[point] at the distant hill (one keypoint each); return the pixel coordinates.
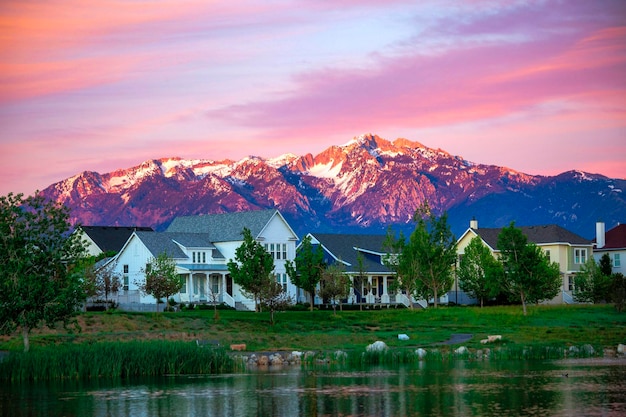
(363, 186)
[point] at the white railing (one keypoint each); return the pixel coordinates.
(567, 299)
(228, 300)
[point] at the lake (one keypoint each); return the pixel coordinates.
(584, 387)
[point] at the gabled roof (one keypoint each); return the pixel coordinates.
(227, 226)
(158, 243)
(347, 247)
(615, 238)
(111, 238)
(540, 235)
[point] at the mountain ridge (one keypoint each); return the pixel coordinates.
(365, 185)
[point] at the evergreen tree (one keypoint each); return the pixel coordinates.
(605, 265)
(40, 265)
(308, 269)
(252, 267)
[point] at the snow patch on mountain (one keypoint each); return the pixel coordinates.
(326, 170)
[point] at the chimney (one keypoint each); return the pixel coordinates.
(600, 232)
(474, 223)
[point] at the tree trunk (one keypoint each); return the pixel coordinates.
(435, 296)
(523, 303)
(25, 337)
(312, 298)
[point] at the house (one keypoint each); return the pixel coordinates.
(613, 243)
(566, 248)
(103, 239)
(362, 256)
(201, 247)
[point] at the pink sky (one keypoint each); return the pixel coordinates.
(536, 86)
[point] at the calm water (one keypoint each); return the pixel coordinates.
(461, 388)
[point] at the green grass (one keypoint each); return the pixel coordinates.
(598, 325)
(114, 360)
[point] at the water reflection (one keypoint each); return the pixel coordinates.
(427, 389)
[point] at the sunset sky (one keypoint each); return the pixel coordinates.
(536, 86)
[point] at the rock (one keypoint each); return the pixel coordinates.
(238, 347)
(493, 338)
(621, 349)
(340, 355)
(589, 350)
(484, 341)
(252, 360)
(377, 346)
(263, 360)
(462, 350)
(403, 336)
(421, 353)
(276, 359)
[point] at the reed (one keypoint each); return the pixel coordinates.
(115, 360)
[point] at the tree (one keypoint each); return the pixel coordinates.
(606, 268)
(162, 281)
(102, 281)
(618, 290)
(528, 274)
(40, 277)
(334, 285)
(308, 269)
(591, 284)
(405, 265)
(274, 298)
(252, 267)
(479, 272)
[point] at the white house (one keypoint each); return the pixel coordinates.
(613, 243)
(201, 247)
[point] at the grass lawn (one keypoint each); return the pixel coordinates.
(598, 325)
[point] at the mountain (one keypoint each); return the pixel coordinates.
(363, 186)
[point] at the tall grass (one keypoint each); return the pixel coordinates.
(115, 360)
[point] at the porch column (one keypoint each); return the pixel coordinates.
(191, 288)
(351, 295)
(384, 297)
(370, 295)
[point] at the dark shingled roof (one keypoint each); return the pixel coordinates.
(158, 243)
(111, 238)
(342, 246)
(223, 227)
(550, 233)
(615, 238)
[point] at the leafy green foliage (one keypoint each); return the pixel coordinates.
(309, 267)
(101, 282)
(605, 265)
(162, 281)
(528, 274)
(334, 285)
(591, 284)
(40, 277)
(274, 298)
(252, 267)
(479, 272)
(618, 291)
(424, 263)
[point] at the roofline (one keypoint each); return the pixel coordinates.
(277, 212)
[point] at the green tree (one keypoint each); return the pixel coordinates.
(479, 272)
(252, 267)
(308, 269)
(528, 274)
(605, 265)
(102, 281)
(618, 291)
(162, 280)
(41, 281)
(274, 298)
(591, 284)
(334, 285)
(405, 265)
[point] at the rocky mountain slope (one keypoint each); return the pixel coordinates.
(363, 186)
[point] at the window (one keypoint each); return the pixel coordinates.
(126, 269)
(183, 281)
(215, 284)
(617, 263)
(193, 257)
(203, 257)
(126, 280)
(570, 283)
(277, 250)
(548, 254)
(580, 256)
(284, 251)
(282, 280)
